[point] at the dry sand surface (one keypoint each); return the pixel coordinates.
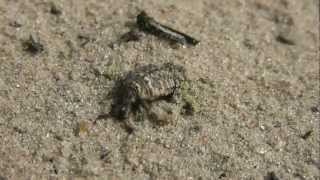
(249, 110)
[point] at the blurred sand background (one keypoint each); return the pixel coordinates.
(255, 90)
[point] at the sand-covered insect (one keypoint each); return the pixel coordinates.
(147, 84)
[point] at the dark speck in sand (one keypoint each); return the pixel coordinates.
(32, 46)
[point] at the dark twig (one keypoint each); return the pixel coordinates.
(149, 25)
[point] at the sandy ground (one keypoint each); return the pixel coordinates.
(254, 90)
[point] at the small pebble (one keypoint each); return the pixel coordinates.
(54, 9)
(32, 46)
(307, 134)
(188, 109)
(271, 176)
(285, 40)
(315, 109)
(82, 128)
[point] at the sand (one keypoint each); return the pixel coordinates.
(253, 88)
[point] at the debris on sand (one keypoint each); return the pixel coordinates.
(271, 176)
(83, 40)
(82, 128)
(55, 10)
(150, 25)
(306, 135)
(285, 40)
(133, 35)
(3, 178)
(315, 109)
(15, 24)
(147, 24)
(32, 46)
(188, 109)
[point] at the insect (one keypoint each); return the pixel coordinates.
(150, 25)
(147, 84)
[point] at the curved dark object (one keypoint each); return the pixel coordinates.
(149, 25)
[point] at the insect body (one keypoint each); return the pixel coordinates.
(146, 84)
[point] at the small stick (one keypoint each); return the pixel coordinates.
(148, 24)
